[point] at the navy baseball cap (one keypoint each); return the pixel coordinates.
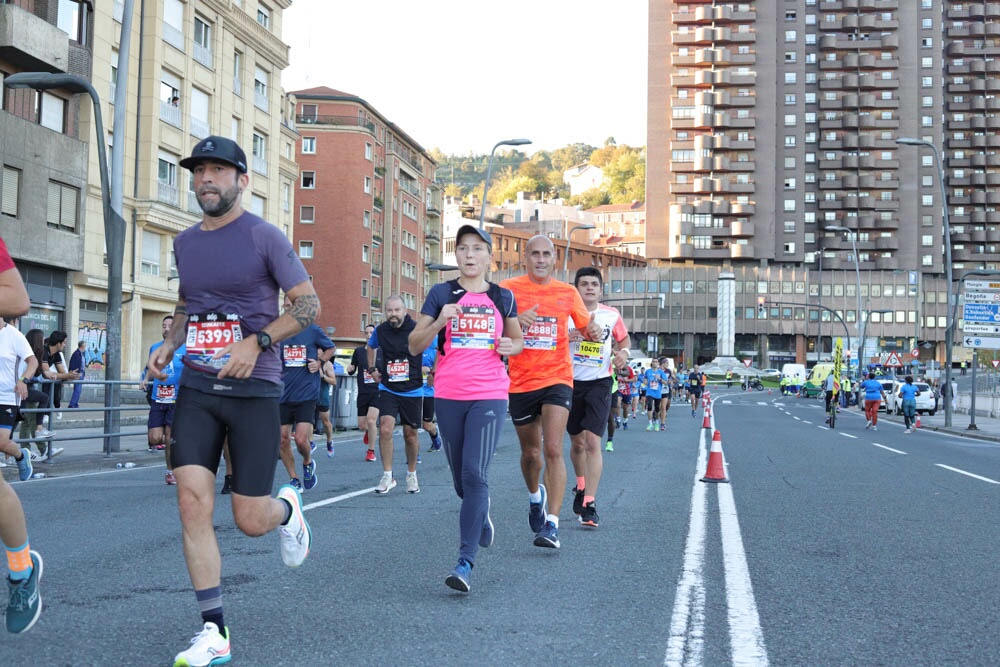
(218, 149)
(481, 233)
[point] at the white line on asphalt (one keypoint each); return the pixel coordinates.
(337, 499)
(969, 474)
(727, 402)
(848, 435)
(798, 419)
(895, 451)
(687, 622)
(825, 428)
(761, 402)
(745, 636)
(806, 421)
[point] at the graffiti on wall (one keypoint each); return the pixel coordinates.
(96, 336)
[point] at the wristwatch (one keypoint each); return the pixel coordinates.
(263, 340)
(372, 369)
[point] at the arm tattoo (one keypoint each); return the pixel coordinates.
(181, 310)
(304, 309)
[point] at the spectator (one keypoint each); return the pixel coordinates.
(33, 421)
(54, 366)
(77, 363)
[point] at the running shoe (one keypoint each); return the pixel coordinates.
(874, 428)
(227, 485)
(610, 447)
(650, 426)
(548, 536)
(295, 483)
(419, 460)
(329, 449)
(160, 447)
(907, 431)
(24, 467)
(309, 475)
(312, 446)
(588, 518)
(435, 443)
(44, 433)
(25, 602)
(36, 458)
(536, 511)
(296, 535)
(370, 455)
(625, 425)
(692, 413)
(486, 536)
(577, 501)
(459, 577)
(170, 479)
(663, 427)
(386, 484)
(208, 647)
(411, 483)
(55, 451)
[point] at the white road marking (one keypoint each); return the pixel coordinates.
(746, 638)
(848, 435)
(969, 474)
(798, 419)
(727, 402)
(685, 646)
(337, 499)
(895, 451)
(761, 402)
(806, 421)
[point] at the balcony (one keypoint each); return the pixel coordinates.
(119, 10)
(30, 43)
(170, 113)
(260, 101)
(166, 193)
(173, 36)
(339, 121)
(200, 128)
(379, 204)
(259, 164)
(407, 155)
(203, 55)
(192, 203)
(432, 235)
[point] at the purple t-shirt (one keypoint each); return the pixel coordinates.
(238, 269)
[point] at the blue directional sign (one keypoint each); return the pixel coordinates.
(982, 312)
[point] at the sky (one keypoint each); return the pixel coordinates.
(460, 75)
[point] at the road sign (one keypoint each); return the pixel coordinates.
(892, 361)
(915, 353)
(982, 342)
(982, 285)
(995, 362)
(980, 329)
(747, 362)
(981, 312)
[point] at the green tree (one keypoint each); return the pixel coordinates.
(570, 156)
(590, 199)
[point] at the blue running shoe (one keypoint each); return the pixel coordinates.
(24, 467)
(435, 443)
(536, 511)
(548, 536)
(25, 603)
(329, 449)
(312, 446)
(309, 475)
(296, 484)
(486, 537)
(459, 577)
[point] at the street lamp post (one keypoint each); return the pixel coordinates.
(859, 323)
(114, 235)
(489, 172)
(569, 235)
(819, 313)
(949, 332)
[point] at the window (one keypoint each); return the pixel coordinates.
(309, 145)
(789, 120)
(167, 170)
(61, 205)
(790, 77)
(257, 205)
(150, 253)
(927, 63)
(286, 196)
(264, 15)
(306, 249)
(368, 185)
(234, 130)
(237, 73)
(369, 151)
(308, 180)
(260, 83)
(789, 248)
(789, 205)
(52, 113)
(365, 254)
(173, 23)
(200, 104)
(114, 75)
(202, 41)
(789, 35)
(307, 215)
(259, 151)
(9, 195)
(69, 19)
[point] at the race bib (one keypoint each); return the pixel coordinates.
(542, 334)
(166, 393)
(210, 332)
(368, 378)
(654, 384)
(474, 328)
(294, 356)
(398, 371)
(588, 353)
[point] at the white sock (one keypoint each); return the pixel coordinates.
(536, 497)
(553, 518)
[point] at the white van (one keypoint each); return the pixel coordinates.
(797, 373)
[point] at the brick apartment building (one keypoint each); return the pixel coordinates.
(368, 218)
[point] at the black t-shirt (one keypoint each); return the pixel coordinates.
(359, 360)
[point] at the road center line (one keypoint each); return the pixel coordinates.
(848, 435)
(798, 419)
(969, 474)
(806, 421)
(337, 499)
(745, 636)
(685, 644)
(895, 451)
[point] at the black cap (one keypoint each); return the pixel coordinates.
(219, 149)
(481, 233)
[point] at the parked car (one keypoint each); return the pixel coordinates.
(926, 401)
(772, 373)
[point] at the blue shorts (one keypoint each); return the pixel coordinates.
(160, 415)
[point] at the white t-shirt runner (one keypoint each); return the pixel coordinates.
(14, 348)
(592, 359)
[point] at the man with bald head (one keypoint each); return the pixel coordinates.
(400, 390)
(541, 382)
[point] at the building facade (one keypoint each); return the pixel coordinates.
(621, 226)
(773, 124)
(368, 218)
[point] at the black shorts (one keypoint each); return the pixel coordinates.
(653, 404)
(8, 416)
(301, 412)
(428, 410)
(591, 406)
(160, 415)
(409, 408)
(365, 401)
(526, 407)
(694, 391)
(201, 423)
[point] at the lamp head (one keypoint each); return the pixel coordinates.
(911, 141)
(46, 81)
(514, 142)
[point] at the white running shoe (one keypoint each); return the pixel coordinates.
(44, 433)
(208, 647)
(55, 451)
(386, 483)
(296, 535)
(411, 483)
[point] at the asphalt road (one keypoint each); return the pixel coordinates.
(842, 553)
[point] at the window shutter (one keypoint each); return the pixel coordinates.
(67, 213)
(52, 208)
(11, 181)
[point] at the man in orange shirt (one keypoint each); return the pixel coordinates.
(541, 382)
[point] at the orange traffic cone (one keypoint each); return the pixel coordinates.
(716, 470)
(707, 421)
(917, 425)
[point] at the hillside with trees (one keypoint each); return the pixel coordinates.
(541, 174)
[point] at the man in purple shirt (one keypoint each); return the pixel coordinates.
(231, 266)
